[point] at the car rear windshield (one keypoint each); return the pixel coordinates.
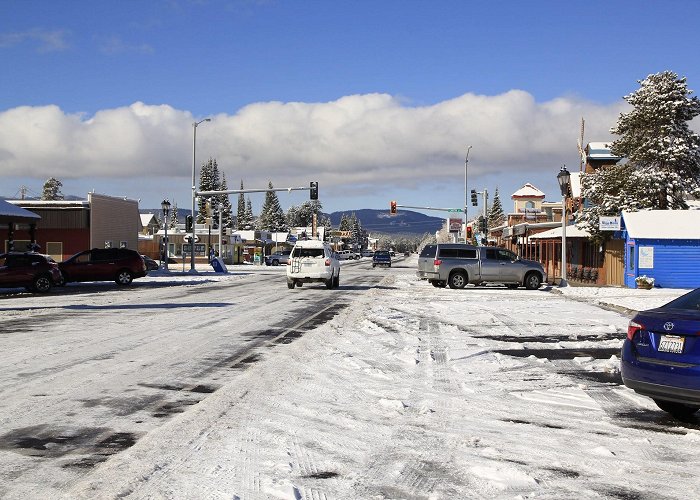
(428, 251)
(308, 252)
(690, 301)
(458, 253)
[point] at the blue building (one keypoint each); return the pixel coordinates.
(664, 245)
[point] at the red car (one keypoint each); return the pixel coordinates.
(104, 264)
(34, 271)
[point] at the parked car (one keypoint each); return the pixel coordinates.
(312, 261)
(367, 252)
(381, 258)
(457, 264)
(661, 355)
(347, 255)
(277, 258)
(151, 265)
(34, 271)
(100, 264)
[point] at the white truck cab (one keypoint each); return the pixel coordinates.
(313, 260)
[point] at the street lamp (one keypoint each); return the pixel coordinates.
(564, 178)
(165, 205)
(194, 188)
(466, 164)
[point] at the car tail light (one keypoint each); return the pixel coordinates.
(633, 328)
(289, 261)
(328, 262)
(437, 262)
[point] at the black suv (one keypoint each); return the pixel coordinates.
(104, 264)
(34, 271)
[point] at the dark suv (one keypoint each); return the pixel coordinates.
(104, 264)
(34, 271)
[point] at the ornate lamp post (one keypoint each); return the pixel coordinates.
(165, 205)
(564, 178)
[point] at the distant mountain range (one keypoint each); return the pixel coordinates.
(381, 221)
(373, 221)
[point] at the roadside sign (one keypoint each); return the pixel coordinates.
(609, 223)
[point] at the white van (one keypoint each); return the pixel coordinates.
(313, 260)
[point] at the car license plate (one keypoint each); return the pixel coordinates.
(671, 343)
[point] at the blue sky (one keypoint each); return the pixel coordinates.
(376, 100)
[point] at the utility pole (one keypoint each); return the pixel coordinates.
(466, 203)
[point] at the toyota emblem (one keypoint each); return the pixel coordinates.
(668, 326)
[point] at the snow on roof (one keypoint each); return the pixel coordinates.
(663, 224)
(528, 191)
(146, 219)
(9, 210)
(571, 232)
(599, 151)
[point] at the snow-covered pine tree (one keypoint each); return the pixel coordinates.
(293, 219)
(240, 214)
(249, 219)
(656, 138)
(663, 154)
(271, 216)
(325, 222)
(225, 204)
(173, 217)
(495, 214)
(356, 229)
(52, 190)
(208, 181)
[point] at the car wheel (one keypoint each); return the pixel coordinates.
(678, 410)
(337, 281)
(42, 283)
(374, 265)
(290, 284)
(124, 277)
(275, 262)
(532, 281)
(435, 283)
(330, 282)
(458, 279)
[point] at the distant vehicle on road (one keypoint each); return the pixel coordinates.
(277, 258)
(34, 271)
(367, 252)
(381, 258)
(104, 264)
(661, 355)
(312, 261)
(457, 264)
(347, 255)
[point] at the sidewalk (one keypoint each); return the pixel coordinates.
(624, 300)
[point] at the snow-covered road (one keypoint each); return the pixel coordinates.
(398, 390)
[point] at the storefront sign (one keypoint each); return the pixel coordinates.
(609, 223)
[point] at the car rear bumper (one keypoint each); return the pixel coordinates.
(424, 275)
(660, 379)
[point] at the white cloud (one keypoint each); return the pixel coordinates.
(48, 41)
(355, 140)
(115, 45)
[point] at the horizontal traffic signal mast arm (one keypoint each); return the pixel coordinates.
(433, 208)
(239, 191)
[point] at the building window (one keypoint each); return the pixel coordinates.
(122, 244)
(108, 244)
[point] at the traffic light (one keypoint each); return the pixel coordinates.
(482, 224)
(188, 223)
(313, 192)
(469, 232)
(474, 201)
(392, 207)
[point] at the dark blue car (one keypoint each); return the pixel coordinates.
(661, 355)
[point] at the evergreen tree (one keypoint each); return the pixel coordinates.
(663, 155)
(249, 219)
(356, 230)
(173, 217)
(271, 216)
(325, 222)
(241, 213)
(496, 217)
(52, 190)
(345, 223)
(208, 181)
(225, 204)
